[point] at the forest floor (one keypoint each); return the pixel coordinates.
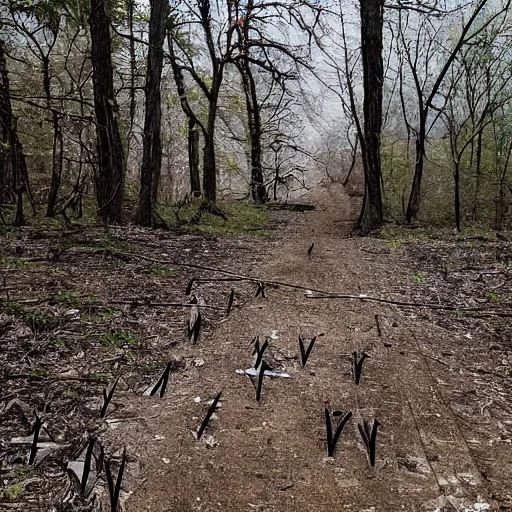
(80, 309)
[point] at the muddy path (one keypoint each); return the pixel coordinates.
(433, 381)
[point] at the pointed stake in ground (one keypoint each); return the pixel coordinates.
(230, 302)
(261, 289)
(194, 322)
(263, 366)
(189, 287)
(107, 397)
(310, 250)
(357, 366)
(209, 414)
(333, 440)
(260, 352)
(87, 466)
(304, 354)
(35, 440)
(256, 342)
(369, 438)
(115, 490)
(377, 323)
(162, 382)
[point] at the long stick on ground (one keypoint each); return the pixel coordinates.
(321, 294)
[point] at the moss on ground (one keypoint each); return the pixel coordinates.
(242, 219)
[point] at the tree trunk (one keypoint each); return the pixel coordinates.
(209, 167)
(456, 180)
(209, 163)
(258, 191)
(193, 122)
(372, 21)
(193, 158)
(152, 142)
(478, 174)
(413, 205)
(58, 143)
(13, 166)
(7, 156)
(57, 162)
(109, 177)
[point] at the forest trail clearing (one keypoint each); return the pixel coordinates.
(445, 417)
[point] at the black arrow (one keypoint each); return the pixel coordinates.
(333, 440)
(369, 438)
(304, 354)
(357, 366)
(162, 382)
(209, 414)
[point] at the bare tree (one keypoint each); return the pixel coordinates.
(426, 101)
(217, 37)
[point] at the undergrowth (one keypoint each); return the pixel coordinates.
(242, 219)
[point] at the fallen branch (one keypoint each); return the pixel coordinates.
(368, 298)
(136, 302)
(15, 376)
(321, 294)
(239, 277)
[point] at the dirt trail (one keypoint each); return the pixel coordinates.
(271, 456)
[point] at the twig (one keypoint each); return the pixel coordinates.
(368, 298)
(221, 271)
(322, 294)
(14, 376)
(136, 302)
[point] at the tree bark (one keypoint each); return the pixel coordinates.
(209, 167)
(258, 191)
(193, 158)
(58, 142)
(456, 205)
(152, 141)
(13, 166)
(110, 175)
(372, 20)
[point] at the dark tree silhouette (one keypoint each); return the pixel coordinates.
(372, 21)
(110, 173)
(152, 142)
(13, 168)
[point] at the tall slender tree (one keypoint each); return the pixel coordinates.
(152, 141)
(372, 23)
(110, 172)
(426, 103)
(13, 167)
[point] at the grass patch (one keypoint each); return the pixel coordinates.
(13, 492)
(119, 339)
(38, 372)
(67, 298)
(38, 321)
(15, 263)
(242, 219)
(109, 243)
(164, 271)
(395, 235)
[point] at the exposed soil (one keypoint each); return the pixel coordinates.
(436, 379)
